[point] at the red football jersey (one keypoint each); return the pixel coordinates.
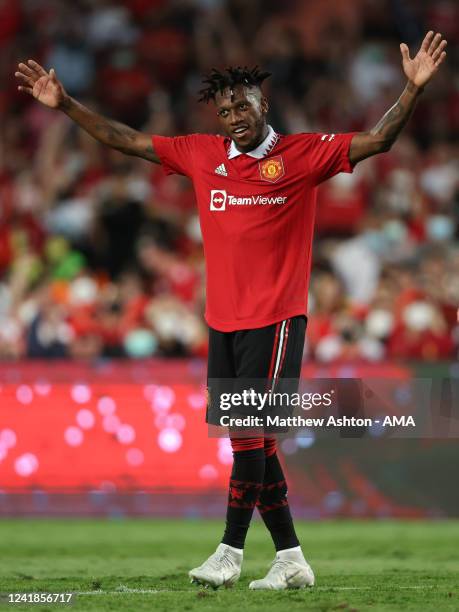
(257, 218)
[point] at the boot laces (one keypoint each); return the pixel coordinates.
(278, 566)
(221, 559)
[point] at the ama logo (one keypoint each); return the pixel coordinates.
(217, 199)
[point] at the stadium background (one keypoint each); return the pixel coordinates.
(102, 340)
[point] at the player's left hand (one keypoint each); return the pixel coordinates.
(425, 64)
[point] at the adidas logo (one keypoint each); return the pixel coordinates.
(221, 170)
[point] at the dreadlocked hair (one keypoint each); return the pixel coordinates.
(218, 81)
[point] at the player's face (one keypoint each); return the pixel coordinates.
(242, 113)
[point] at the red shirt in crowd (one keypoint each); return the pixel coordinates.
(257, 214)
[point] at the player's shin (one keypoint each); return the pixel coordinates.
(244, 489)
(273, 505)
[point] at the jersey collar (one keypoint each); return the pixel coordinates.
(263, 149)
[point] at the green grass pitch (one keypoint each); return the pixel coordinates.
(142, 565)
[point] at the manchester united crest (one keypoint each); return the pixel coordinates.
(272, 169)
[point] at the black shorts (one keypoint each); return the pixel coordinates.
(265, 355)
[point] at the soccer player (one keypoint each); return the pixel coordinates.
(255, 192)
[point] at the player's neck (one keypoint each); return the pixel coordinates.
(256, 143)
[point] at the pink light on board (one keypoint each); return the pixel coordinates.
(125, 434)
(176, 421)
(149, 392)
(225, 452)
(26, 464)
(160, 410)
(106, 405)
(3, 452)
(81, 394)
(169, 440)
(8, 438)
(208, 472)
(85, 418)
(134, 456)
(42, 388)
(24, 394)
(163, 399)
(197, 401)
(73, 436)
(161, 421)
(111, 423)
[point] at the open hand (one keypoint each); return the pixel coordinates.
(43, 86)
(425, 64)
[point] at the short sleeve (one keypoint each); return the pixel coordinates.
(328, 154)
(176, 154)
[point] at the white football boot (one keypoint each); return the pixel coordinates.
(289, 570)
(221, 568)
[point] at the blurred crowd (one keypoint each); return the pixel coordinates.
(101, 254)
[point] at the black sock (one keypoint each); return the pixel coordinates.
(245, 486)
(273, 506)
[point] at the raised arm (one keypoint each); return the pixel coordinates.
(418, 71)
(47, 89)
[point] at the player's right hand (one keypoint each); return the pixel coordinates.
(43, 86)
